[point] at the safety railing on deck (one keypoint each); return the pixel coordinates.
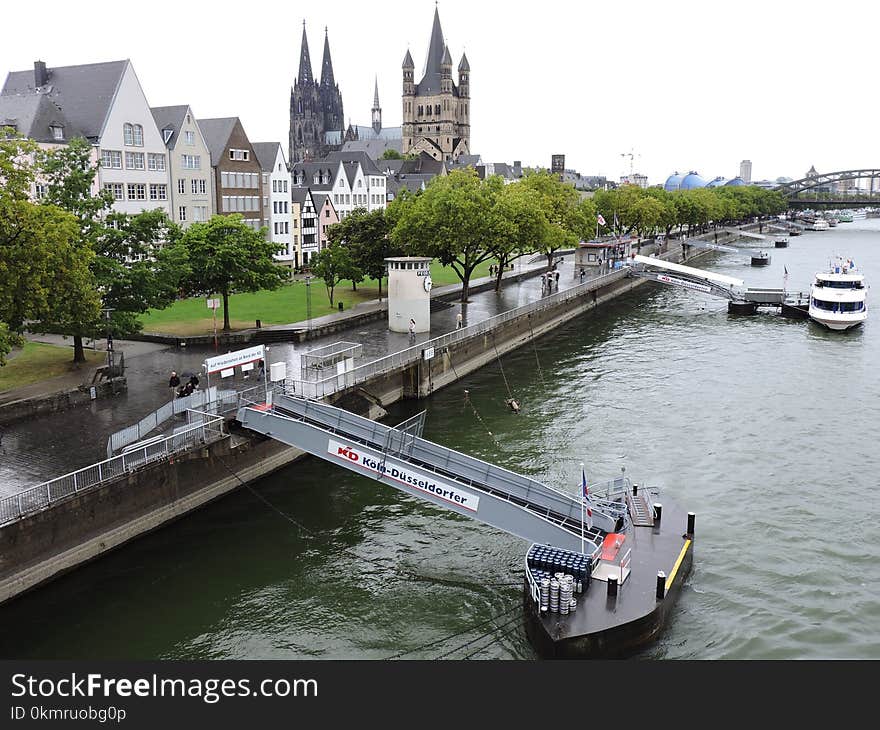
(203, 428)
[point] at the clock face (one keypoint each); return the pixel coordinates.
(428, 283)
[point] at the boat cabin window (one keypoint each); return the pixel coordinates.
(838, 306)
(840, 284)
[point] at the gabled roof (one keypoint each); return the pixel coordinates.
(367, 164)
(351, 169)
(390, 167)
(310, 168)
(299, 193)
(169, 117)
(373, 148)
(391, 134)
(319, 199)
(33, 115)
(216, 133)
(266, 153)
(83, 93)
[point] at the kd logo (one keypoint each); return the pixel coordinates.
(347, 453)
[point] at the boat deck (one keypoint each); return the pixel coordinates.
(619, 624)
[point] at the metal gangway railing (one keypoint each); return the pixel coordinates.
(202, 428)
(687, 277)
(400, 458)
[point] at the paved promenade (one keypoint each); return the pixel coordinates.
(38, 449)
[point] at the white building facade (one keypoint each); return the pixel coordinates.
(276, 199)
(189, 165)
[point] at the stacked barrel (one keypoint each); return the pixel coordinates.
(560, 574)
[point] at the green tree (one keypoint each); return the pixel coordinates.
(70, 173)
(366, 236)
(391, 154)
(136, 271)
(44, 269)
(451, 221)
(571, 219)
(225, 256)
(334, 264)
(520, 222)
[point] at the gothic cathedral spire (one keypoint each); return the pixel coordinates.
(377, 110)
(327, 64)
(305, 63)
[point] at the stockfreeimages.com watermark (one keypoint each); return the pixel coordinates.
(208, 690)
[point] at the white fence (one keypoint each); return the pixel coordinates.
(133, 434)
(204, 428)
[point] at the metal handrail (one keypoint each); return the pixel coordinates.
(533, 585)
(41, 496)
(317, 389)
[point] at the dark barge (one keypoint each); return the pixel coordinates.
(627, 591)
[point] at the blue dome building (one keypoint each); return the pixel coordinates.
(736, 181)
(717, 182)
(673, 182)
(692, 181)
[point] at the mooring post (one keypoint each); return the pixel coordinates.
(691, 519)
(658, 511)
(612, 586)
(661, 585)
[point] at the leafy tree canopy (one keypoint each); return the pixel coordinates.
(226, 256)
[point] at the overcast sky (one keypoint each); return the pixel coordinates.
(680, 84)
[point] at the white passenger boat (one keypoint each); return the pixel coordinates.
(820, 224)
(838, 296)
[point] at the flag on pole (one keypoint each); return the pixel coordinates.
(586, 498)
(601, 220)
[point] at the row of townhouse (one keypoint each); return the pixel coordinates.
(152, 157)
(164, 157)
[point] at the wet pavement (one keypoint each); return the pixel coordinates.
(42, 448)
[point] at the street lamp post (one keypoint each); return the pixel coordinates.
(308, 303)
(107, 311)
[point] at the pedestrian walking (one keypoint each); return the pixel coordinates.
(173, 383)
(412, 331)
(262, 370)
(459, 320)
(557, 279)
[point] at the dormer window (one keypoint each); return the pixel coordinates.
(57, 131)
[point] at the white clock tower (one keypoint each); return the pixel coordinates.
(409, 293)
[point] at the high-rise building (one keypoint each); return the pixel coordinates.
(745, 171)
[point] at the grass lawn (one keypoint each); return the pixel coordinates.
(37, 361)
(286, 305)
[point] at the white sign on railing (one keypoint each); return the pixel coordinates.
(231, 359)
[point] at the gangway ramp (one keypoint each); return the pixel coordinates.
(402, 459)
(745, 234)
(712, 283)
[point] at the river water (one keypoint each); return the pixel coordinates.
(765, 427)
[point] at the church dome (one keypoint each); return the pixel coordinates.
(692, 181)
(673, 182)
(736, 181)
